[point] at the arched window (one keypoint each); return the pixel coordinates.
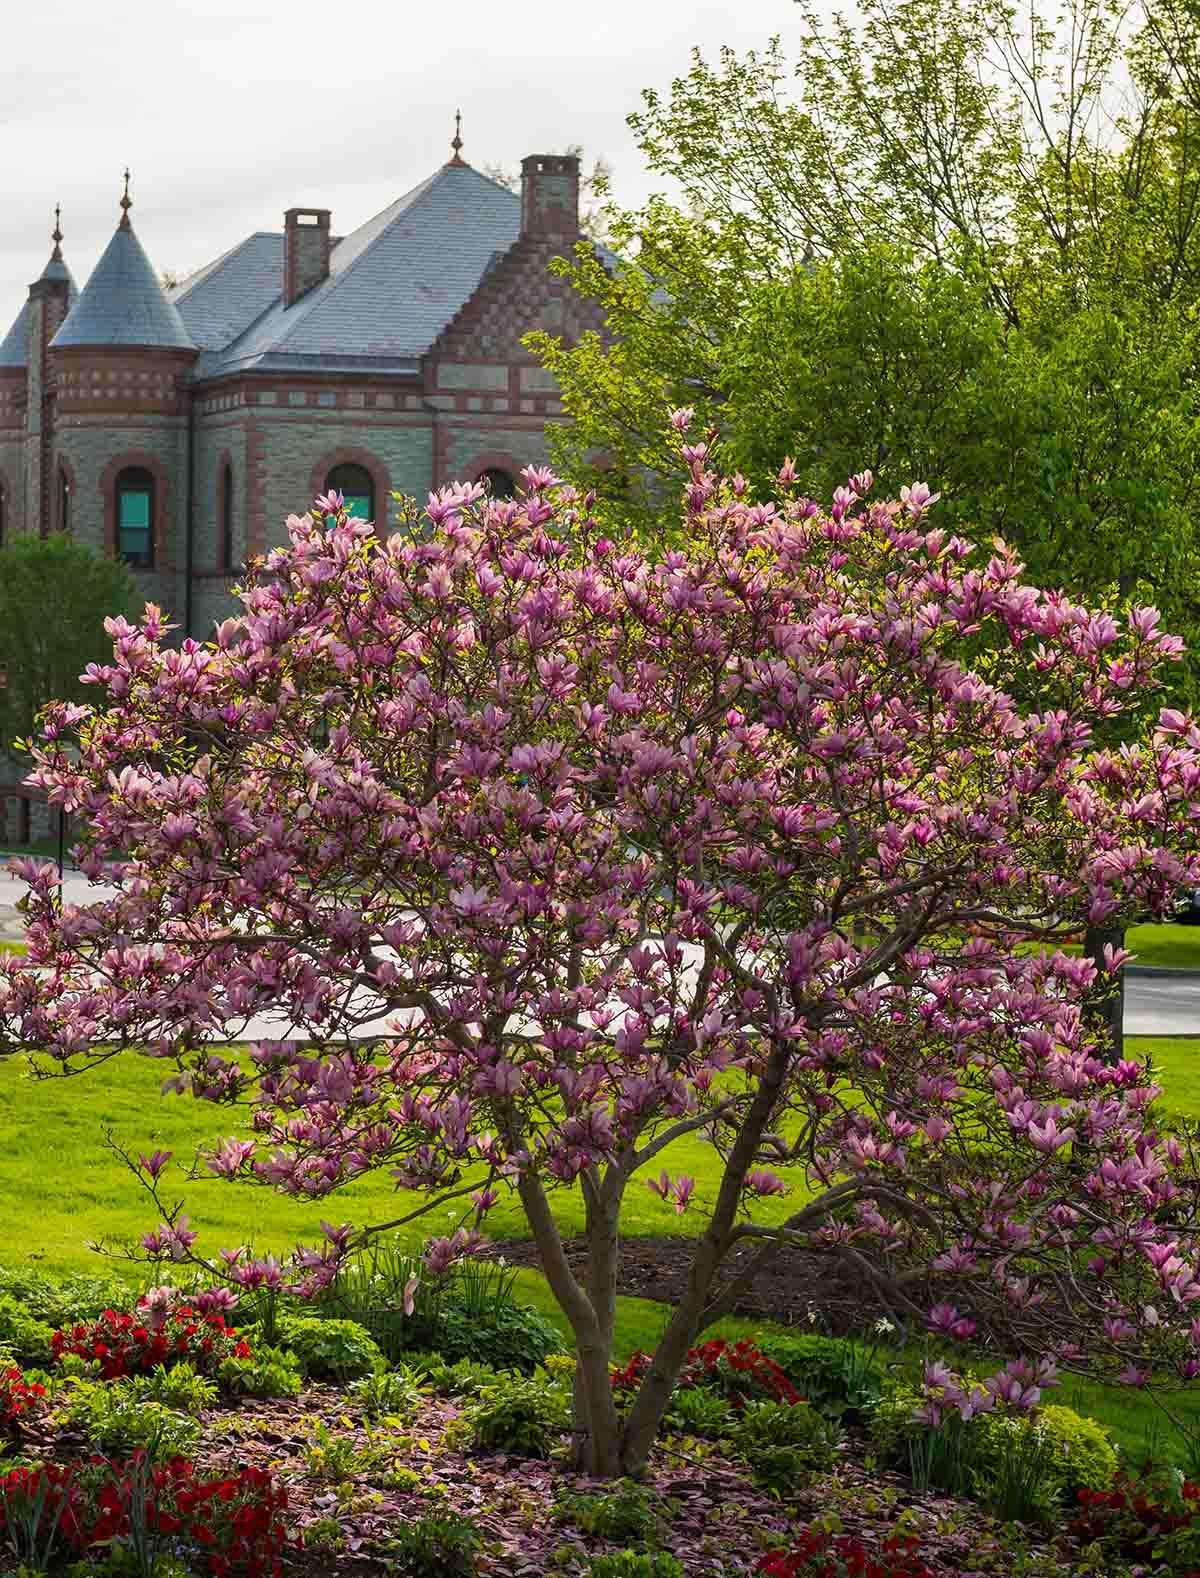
(64, 500)
(135, 518)
(500, 484)
(356, 486)
(227, 560)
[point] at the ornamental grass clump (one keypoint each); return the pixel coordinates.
(768, 842)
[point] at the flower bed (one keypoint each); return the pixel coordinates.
(233, 1522)
(121, 1344)
(739, 1370)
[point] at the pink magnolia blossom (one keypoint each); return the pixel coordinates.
(739, 843)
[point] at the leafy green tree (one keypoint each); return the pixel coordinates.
(946, 241)
(55, 595)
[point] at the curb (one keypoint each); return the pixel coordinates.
(1162, 971)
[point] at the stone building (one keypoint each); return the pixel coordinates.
(179, 428)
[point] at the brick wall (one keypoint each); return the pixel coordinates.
(12, 477)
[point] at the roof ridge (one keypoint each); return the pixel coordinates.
(184, 287)
(318, 296)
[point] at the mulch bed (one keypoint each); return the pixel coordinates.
(719, 1526)
(801, 1288)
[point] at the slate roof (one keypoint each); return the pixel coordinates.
(14, 347)
(394, 283)
(123, 303)
(221, 301)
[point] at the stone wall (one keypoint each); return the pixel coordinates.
(94, 453)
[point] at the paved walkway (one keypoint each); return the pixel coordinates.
(1162, 1003)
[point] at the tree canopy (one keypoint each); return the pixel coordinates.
(947, 239)
(55, 596)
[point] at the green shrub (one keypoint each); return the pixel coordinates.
(336, 1350)
(389, 1392)
(463, 1378)
(269, 1372)
(1081, 1450)
(893, 1426)
(1022, 1465)
(841, 1379)
(780, 1470)
(470, 1313)
(510, 1337)
(628, 1513)
(765, 1424)
(180, 1388)
(636, 1564)
(117, 1420)
(60, 1301)
(697, 1412)
(22, 1334)
(518, 1414)
(439, 1545)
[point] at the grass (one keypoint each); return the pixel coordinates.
(1166, 947)
(55, 1153)
(61, 1187)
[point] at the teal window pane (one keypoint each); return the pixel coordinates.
(135, 544)
(135, 511)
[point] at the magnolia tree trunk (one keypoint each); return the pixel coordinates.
(1108, 1009)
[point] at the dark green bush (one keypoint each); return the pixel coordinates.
(841, 1379)
(780, 1470)
(268, 1372)
(628, 1513)
(336, 1350)
(510, 1337)
(25, 1336)
(636, 1564)
(797, 1425)
(439, 1545)
(697, 1412)
(470, 1313)
(519, 1414)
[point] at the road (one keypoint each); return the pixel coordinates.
(1157, 1003)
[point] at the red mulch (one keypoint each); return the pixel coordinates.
(720, 1524)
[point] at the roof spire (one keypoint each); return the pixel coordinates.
(126, 203)
(56, 235)
(456, 141)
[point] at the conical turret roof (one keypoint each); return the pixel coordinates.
(123, 303)
(14, 347)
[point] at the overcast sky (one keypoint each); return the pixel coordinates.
(230, 111)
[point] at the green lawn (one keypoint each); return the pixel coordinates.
(1168, 947)
(55, 1154)
(60, 1187)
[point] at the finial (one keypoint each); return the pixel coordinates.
(126, 203)
(56, 235)
(456, 141)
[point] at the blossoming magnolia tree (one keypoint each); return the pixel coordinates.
(737, 843)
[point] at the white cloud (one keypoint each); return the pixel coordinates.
(230, 111)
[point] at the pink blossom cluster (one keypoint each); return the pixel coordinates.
(738, 842)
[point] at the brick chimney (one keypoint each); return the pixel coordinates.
(305, 251)
(550, 194)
